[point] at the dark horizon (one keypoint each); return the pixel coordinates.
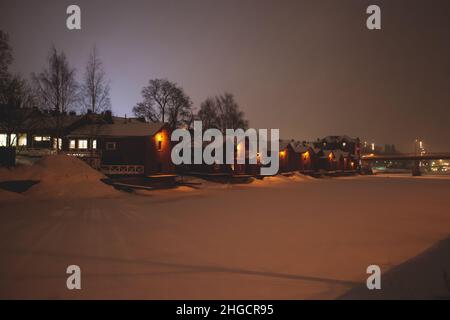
(310, 68)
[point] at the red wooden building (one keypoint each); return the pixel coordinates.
(123, 146)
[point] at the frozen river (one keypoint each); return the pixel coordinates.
(289, 238)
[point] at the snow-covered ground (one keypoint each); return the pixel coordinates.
(283, 237)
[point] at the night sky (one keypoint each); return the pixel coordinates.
(310, 68)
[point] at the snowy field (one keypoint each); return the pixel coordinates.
(280, 238)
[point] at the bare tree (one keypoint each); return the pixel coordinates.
(208, 113)
(180, 109)
(56, 89)
(56, 86)
(222, 112)
(164, 101)
(95, 88)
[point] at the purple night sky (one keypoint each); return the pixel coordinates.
(310, 68)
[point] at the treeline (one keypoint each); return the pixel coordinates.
(55, 87)
(56, 90)
(165, 101)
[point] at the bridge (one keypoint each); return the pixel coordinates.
(368, 159)
(406, 156)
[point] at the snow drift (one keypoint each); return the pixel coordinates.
(60, 176)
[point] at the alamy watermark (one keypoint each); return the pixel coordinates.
(73, 21)
(374, 280)
(73, 281)
(241, 147)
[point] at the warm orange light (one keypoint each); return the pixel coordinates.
(159, 137)
(330, 156)
(306, 155)
(282, 153)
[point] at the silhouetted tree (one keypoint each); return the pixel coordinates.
(56, 89)
(164, 101)
(94, 91)
(208, 114)
(222, 112)
(56, 86)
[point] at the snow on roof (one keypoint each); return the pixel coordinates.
(337, 139)
(284, 144)
(119, 129)
(50, 122)
(301, 147)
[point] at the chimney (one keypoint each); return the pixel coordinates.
(108, 116)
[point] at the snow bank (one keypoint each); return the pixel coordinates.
(60, 176)
(281, 179)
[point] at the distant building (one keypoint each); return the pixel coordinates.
(289, 159)
(307, 156)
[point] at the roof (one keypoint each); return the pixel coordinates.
(283, 144)
(119, 129)
(47, 122)
(301, 147)
(338, 139)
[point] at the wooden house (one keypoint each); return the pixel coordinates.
(123, 147)
(306, 156)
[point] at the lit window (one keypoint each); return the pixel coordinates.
(22, 139)
(72, 144)
(57, 143)
(2, 140)
(159, 140)
(41, 138)
(111, 146)
(94, 144)
(13, 140)
(82, 144)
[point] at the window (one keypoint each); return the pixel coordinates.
(111, 146)
(2, 140)
(94, 144)
(41, 138)
(57, 143)
(13, 140)
(22, 139)
(82, 144)
(72, 144)
(159, 145)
